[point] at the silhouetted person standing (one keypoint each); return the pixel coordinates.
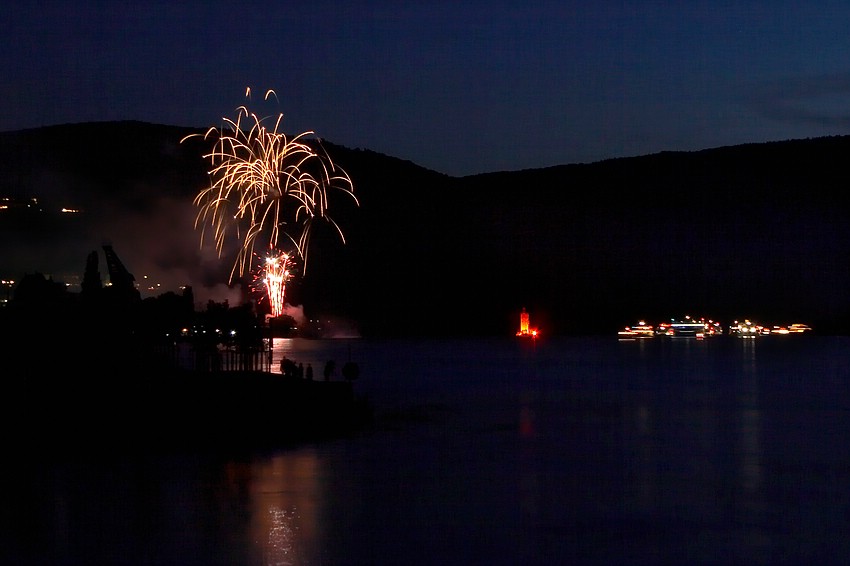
(350, 371)
(330, 366)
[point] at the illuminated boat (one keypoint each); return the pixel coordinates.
(713, 328)
(639, 330)
(685, 328)
(747, 329)
(795, 328)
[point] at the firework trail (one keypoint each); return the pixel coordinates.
(265, 188)
(276, 273)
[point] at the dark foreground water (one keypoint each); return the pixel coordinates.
(564, 451)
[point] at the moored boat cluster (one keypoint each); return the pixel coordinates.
(689, 327)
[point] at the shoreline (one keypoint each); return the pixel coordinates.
(179, 410)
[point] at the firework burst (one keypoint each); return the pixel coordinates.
(271, 280)
(265, 187)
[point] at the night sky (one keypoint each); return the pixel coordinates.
(457, 87)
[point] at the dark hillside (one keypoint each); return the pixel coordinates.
(90, 162)
(756, 231)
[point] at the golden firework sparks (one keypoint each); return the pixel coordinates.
(265, 187)
(271, 280)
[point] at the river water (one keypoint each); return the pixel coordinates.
(490, 451)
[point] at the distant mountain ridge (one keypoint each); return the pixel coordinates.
(754, 230)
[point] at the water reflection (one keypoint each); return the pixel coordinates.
(643, 458)
(750, 511)
(727, 451)
(315, 353)
(748, 401)
(690, 425)
(283, 496)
